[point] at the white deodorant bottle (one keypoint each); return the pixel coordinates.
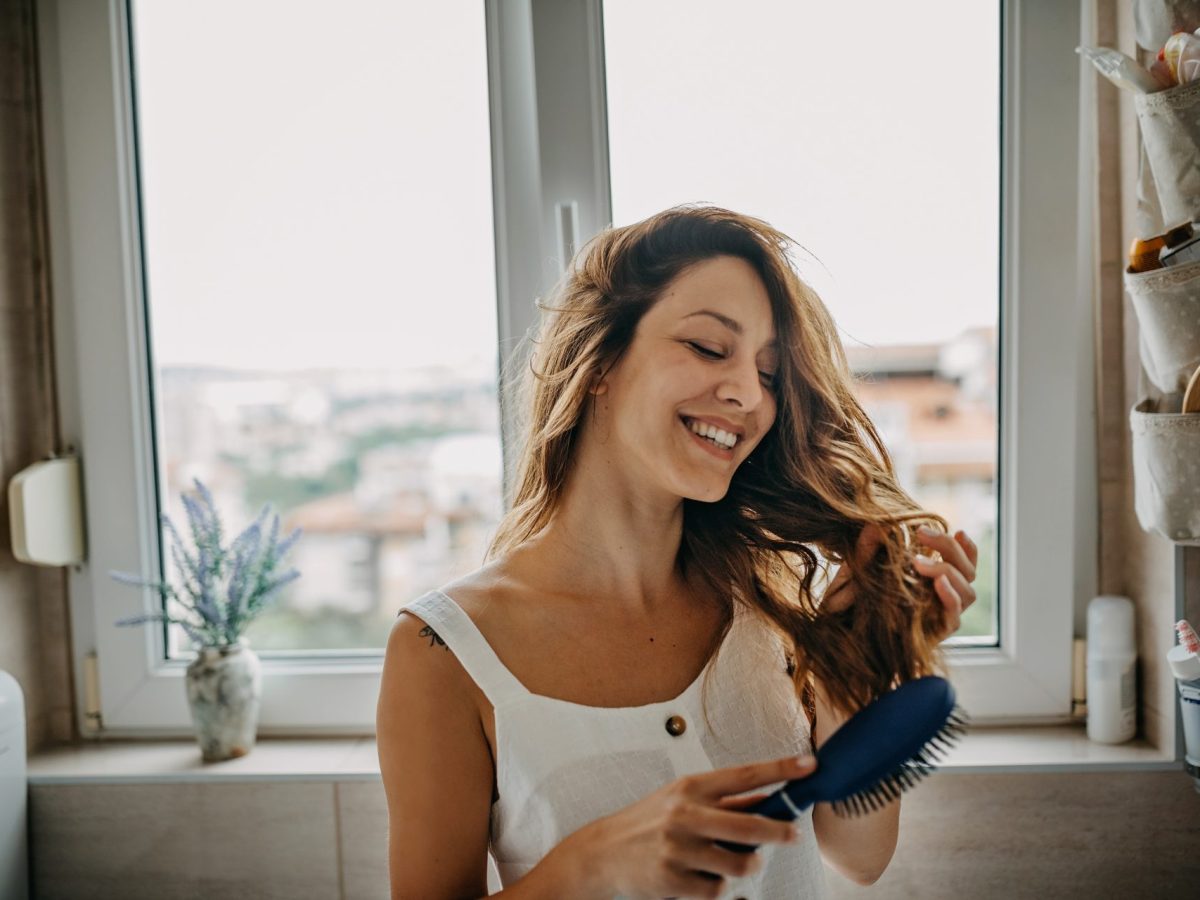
(1111, 657)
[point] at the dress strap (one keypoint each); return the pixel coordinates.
(467, 643)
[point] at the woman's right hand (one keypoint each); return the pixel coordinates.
(662, 845)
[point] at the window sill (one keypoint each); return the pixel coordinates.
(1050, 748)
(178, 761)
(1030, 750)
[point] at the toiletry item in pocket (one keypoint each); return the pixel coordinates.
(1121, 70)
(1146, 254)
(1162, 73)
(1181, 254)
(1191, 401)
(1143, 254)
(1181, 53)
(1184, 660)
(1184, 657)
(1111, 657)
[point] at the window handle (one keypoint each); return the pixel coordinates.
(566, 217)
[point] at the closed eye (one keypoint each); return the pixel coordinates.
(768, 378)
(705, 351)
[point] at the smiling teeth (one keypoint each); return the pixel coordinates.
(714, 434)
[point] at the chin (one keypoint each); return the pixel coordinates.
(710, 495)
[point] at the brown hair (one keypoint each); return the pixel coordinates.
(818, 477)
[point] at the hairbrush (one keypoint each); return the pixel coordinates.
(883, 749)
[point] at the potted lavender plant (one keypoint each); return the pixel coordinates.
(220, 591)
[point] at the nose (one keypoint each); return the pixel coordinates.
(741, 386)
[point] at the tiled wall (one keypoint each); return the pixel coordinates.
(162, 841)
(966, 837)
(34, 639)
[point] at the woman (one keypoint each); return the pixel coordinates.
(650, 638)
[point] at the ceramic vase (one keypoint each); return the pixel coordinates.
(224, 688)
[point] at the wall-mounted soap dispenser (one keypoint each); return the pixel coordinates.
(45, 503)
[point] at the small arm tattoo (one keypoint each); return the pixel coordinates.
(433, 636)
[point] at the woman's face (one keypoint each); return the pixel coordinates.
(692, 396)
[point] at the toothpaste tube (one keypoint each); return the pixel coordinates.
(1121, 70)
(1184, 659)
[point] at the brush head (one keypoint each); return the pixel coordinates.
(885, 748)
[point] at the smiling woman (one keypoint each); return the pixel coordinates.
(692, 354)
(693, 456)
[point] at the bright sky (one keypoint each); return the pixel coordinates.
(317, 187)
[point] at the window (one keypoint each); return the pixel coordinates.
(866, 180)
(298, 205)
(293, 279)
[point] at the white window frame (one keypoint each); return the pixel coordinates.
(550, 176)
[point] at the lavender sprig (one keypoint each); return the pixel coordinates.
(221, 589)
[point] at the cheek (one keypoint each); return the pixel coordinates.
(770, 412)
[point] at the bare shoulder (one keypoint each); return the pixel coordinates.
(436, 766)
(475, 593)
(480, 592)
(498, 599)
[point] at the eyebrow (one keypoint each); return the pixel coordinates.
(733, 325)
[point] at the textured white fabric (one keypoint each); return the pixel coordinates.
(1167, 303)
(561, 765)
(1166, 471)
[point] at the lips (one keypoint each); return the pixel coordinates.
(708, 444)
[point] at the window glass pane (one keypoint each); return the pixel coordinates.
(873, 141)
(317, 228)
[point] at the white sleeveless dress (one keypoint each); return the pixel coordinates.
(561, 765)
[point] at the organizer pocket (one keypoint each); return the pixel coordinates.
(1170, 123)
(1166, 472)
(1167, 303)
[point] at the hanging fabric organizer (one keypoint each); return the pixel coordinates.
(1166, 300)
(1166, 469)
(1167, 304)
(1170, 126)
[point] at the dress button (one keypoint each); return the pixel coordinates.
(676, 725)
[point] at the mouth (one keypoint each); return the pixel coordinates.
(716, 441)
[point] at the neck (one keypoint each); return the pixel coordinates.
(612, 542)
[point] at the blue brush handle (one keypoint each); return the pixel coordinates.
(786, 805)
(880, 740)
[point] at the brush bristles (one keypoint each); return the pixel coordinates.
(911, 772)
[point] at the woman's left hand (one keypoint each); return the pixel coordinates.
(951, 572)
(952, 575)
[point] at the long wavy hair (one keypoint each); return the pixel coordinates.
(796, 505)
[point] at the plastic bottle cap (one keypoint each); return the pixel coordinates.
(1184, 665)
(1110, 626)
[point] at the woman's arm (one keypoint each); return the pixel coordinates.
(438, 777)
(436, 768)
(860, 847)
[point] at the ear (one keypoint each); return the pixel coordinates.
(598, 386)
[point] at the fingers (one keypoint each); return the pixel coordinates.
(962, 554)
(694, 884)
(711, 786)
(951, 587)
(936, 570)
(953, 603)
(719, 861)
(711, 824)
(968, 545)
(742, 801)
